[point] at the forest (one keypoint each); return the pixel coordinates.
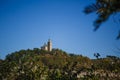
(37, 64)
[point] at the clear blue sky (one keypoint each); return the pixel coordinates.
(29, 23)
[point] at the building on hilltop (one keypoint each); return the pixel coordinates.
(48, 46)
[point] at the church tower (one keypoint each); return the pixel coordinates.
(49, 45)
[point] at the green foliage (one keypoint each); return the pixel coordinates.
(38, 64)
(96, 55)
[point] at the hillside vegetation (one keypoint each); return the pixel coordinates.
(38, 64)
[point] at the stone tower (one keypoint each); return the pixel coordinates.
(49, 45)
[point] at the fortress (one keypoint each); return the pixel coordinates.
(47, 46)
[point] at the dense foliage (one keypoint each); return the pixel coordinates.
(38, 64)
(104, 9)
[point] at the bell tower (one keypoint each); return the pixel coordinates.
(49, 45)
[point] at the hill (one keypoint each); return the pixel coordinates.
(38, 64)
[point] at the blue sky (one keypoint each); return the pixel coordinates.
(29, 23)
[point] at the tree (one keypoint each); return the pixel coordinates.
(96, 55)
(104, 9)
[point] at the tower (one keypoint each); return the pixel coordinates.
(49, 45)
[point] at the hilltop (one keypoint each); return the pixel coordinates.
(39, 64)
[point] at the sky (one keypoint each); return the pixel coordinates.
(28, 24)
